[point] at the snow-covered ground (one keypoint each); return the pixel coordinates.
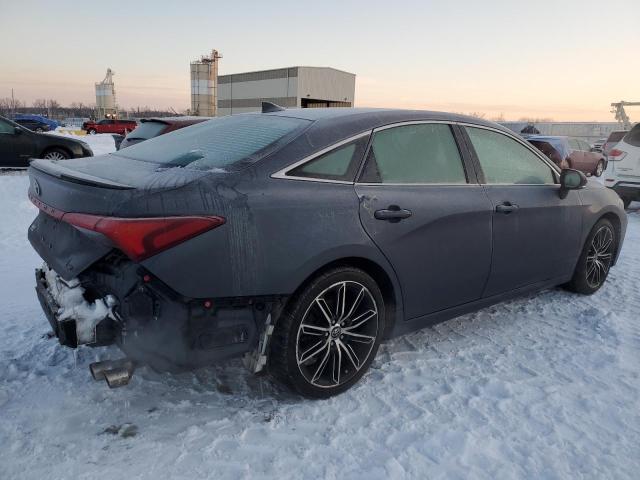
(547, 386)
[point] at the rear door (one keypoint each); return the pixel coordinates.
(577, 159)
(421, 204)
(536, 234)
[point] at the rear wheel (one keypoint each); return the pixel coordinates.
(92, 131)
(56, 154)
(596, 259)
(328, 336)
(599, 168)
(39, 130)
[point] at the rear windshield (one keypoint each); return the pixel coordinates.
(615, 136)
(147, 130)
(225, 143)
(633, 137)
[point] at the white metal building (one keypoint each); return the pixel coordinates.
(305, 87)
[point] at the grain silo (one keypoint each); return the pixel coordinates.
(204, 85)
(106, 96)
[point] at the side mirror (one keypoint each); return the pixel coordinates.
(571, 179)
(17, 130)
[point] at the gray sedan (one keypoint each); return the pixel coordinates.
(302, 238)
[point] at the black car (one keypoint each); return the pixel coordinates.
(19, 144)
(33, 125)
(302, 238)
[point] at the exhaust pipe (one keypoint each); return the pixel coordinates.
(116, 373)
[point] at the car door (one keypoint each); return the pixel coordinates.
(591, 158)
(422, 206)
(15, 145)
(536, 234)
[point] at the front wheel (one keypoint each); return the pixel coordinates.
(328, 336)
(56, 154)
(596, 259)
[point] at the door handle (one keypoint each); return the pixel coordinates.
(506, 208)
(393, 214)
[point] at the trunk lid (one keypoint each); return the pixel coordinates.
(108, 185)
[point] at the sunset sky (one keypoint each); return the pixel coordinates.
(565, 60)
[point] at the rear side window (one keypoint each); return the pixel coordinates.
(633, 137)
(422, 153)
(225, 143)
(147, 130)
(505, 161)
(6, 127)
(615, 136)
(339, 164)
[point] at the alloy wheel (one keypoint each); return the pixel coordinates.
(599, 169)
(55, 156)
(337, 334)
(599, 256)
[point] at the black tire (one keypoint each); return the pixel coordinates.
(626, 201)
(599, 169)
(56, 154)
(596, 259)
(39, 130)
(353, 341)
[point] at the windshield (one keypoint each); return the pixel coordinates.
(147, 130)
(220, 143)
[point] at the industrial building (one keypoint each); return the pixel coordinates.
(204, 85)
(292, 87)
(106, 97)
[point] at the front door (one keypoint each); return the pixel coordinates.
(15, 147)
(536, 234)
(428, 216)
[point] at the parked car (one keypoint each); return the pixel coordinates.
(153, 127)
(53, 124)
(19, 144)
(303, 238)
(612, 140)
(568, 152)
(33, 125)
(74, 122)
(598, 144)
(623, 172)
(107, 125)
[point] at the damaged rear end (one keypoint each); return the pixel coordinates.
(98, 286)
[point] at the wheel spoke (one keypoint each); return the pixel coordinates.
(321, 367)
(350, 354)
(357, 337)
(312, 351)
(355, 304)
(336, 371)
(361, 319)
(314, 330)
(341, 300)
(324, 308)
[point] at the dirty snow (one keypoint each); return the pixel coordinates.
(546, 386)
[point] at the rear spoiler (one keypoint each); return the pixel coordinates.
(53, 168)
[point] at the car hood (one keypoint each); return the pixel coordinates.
(114, 171)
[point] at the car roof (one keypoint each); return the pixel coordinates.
(374, 117)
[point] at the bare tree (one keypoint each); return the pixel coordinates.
(40, 103)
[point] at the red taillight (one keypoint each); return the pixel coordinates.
(616, 155)
(140, 238)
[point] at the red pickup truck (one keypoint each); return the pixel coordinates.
(108, 125)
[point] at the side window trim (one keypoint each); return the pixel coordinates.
(282, 174)
(481, 178)
(470, 174)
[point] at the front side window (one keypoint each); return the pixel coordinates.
(339, 164)
(504, 160)
(421, 153)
